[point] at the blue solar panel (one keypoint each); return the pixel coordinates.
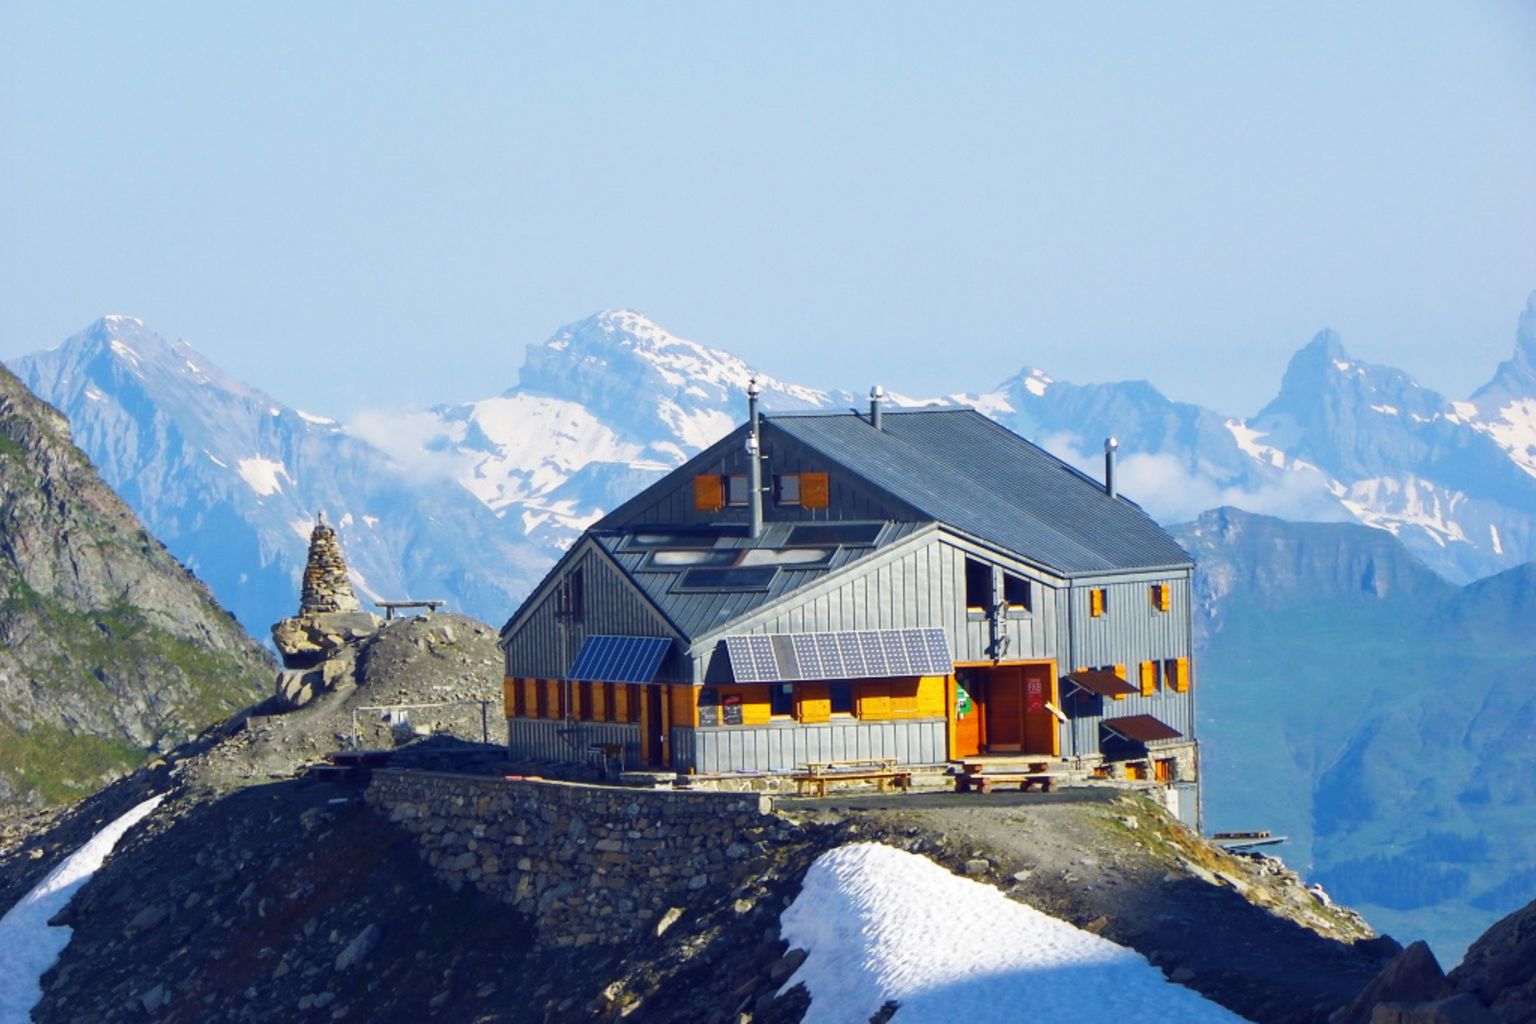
(850, 654)
(618, 659)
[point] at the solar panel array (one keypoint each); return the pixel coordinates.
(851, 654)
(618, 659)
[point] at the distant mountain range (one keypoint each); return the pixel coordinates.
(230, 478)
(1356, 683)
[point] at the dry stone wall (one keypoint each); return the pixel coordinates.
(590, 865)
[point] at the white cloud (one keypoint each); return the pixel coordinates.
(1172, 492)
(408, 439)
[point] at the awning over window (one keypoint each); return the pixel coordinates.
(618, 659)
(1100, 683)
(852, 654)
(1141, 729)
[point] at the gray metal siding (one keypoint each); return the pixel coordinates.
(1130, 632)
(540, 649)
(543, 739)
(913, 586)
(785, 748)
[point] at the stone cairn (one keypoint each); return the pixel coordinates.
(326, 586)
(319, 644)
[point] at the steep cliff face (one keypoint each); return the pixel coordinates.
(108, 647)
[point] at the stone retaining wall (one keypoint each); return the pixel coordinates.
(589, 865)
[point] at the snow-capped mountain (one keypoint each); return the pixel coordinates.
(471, 502)
(230, 480)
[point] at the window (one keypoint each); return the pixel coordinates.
(708, 493)
(786, 489)
(1098, 602)
(1165, 770)
(636, 695)
(610, 709)
(569, 597)
(540, 700)
(978, 586)
(842, 697)
(781, 700)
(1015, 592)
(737, 492)
(1176, 671)
(1148, 678)
(1162, 596)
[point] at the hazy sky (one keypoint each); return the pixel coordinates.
(396, 199)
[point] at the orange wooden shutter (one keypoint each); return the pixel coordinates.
(1119, 670)
(1095, 602)
(814, 490)
(1181, 680)
(1148, 678)
(708, 493)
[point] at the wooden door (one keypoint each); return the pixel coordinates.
(1040, 726)
(967, 712)
(653, 727)
(1005, 710)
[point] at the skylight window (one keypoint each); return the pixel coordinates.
(711, 580)
(846, 534)
(799, 557)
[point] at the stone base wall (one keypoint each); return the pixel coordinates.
(590, 865)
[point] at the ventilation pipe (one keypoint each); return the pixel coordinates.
(1110, 444)
(754, 465)
(876, 397)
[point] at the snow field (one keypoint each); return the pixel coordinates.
(879, 924)
(28, 946)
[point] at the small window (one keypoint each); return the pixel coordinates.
(1176, 672)
(1148, 678)
(610, 705)
(1016, 592)
(737, 492)
(1162, 596)
(1165, 770)
(978, 585)
(1098, 602)
(781, 700)
(786, 489)
(842, 696)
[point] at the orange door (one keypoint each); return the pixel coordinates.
(967, 712)
(1005, 710)
(1039, 724)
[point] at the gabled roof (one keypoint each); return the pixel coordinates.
(967, 471)
(697, 612)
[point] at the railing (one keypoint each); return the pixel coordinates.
(394, 716)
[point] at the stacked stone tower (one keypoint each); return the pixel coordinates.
(319, 644)
(326, 587)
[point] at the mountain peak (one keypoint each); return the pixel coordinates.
(1515, 378)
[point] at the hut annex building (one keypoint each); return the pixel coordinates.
(922, 586)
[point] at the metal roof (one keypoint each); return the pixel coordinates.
(1141, 728)
(1101, 683)
(696, 612)
(967, 471)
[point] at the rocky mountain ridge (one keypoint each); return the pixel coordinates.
(108, 647)
(607, 404)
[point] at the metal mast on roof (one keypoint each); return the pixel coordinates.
(754, 464)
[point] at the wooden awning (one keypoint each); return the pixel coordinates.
(1101, 683)
(1141, 729)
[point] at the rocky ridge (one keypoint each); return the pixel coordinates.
(108, 647)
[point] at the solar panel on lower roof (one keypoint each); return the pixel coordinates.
(618, 659)
(846, 534)
(848, 654)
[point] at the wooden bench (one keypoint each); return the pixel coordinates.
(983, 776)
(883, 773)
(983, 782)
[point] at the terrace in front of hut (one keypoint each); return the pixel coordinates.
(880, 597)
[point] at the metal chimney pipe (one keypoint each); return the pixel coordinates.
(1110, 444)
(754, 466)
(876, 396)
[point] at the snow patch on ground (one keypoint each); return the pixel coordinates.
(261, 474)
(309, 417)
(1515, 432)
(28, 946)
(1387, 410)
(881, 924)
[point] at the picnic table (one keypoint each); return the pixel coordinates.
(984, 776)
(881, 771)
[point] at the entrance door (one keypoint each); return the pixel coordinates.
(653, 727)
(1005, 710)
(967, 698)
(1011, 714)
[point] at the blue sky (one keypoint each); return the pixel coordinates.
(398, 198)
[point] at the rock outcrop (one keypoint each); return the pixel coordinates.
(108, 647)
(319, 644)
